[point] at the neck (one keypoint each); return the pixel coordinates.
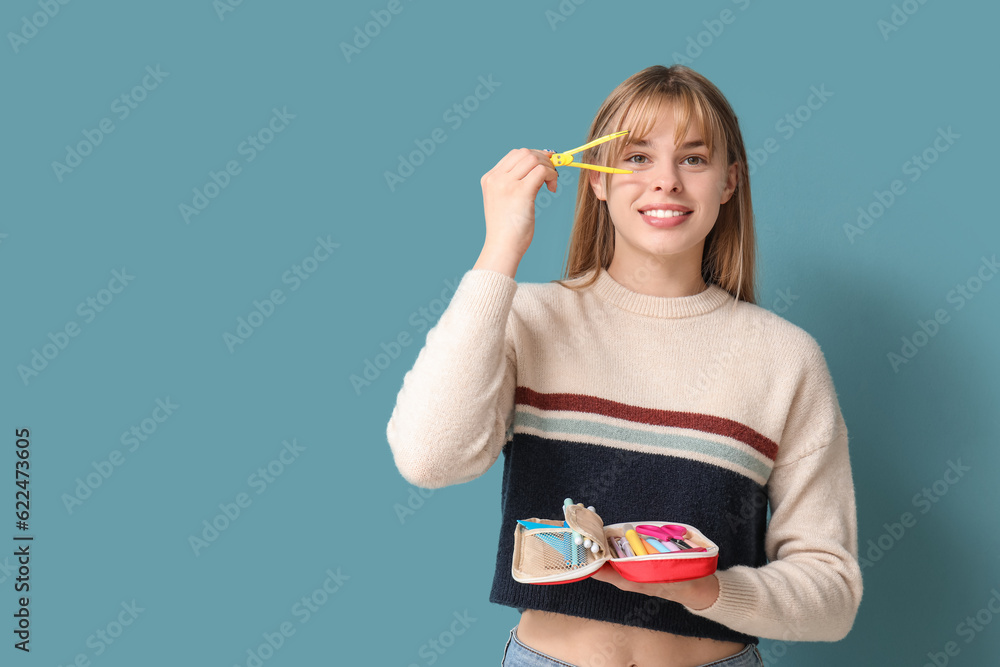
(658, 279)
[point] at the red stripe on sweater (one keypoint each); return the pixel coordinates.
(692, 420)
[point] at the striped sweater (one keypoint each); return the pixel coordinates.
(698, 409)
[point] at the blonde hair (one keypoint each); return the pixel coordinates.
(635, 105)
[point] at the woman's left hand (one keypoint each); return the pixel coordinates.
(696, 593)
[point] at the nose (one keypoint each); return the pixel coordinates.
(667, 177)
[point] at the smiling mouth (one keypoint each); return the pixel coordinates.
(657, 213)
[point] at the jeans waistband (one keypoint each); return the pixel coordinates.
(517, 654)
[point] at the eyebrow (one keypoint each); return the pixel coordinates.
(697, 143)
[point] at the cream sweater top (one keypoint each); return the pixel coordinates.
(699, 409)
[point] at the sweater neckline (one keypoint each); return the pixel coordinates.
(659, 306)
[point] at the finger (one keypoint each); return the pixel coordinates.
(507, 161)
(608, 574)
(530, 165)
(542, 174)
(526, 160)
(515, 160)
(552, 177)
(617, 582)
(513, 157)
(551, 181)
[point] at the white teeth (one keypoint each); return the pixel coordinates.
(657, 213)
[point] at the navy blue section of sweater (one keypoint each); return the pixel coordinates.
(625, 486)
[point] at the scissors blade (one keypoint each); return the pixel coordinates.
(601, 140)
(597, 167)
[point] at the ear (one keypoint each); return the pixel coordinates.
(596, 184)
(730, 186)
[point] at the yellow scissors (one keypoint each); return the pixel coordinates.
(565, 159)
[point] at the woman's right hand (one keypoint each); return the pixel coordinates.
(509, 191)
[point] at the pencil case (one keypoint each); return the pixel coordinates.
(550, 556)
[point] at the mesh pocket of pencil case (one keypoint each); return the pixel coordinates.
(551, 556)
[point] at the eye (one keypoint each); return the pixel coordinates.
(702, 162)
(628, 159)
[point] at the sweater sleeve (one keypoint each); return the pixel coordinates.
(455, 407)
(811, 587)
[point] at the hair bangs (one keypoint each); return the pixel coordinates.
(642, 115)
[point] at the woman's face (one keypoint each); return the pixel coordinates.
(684, 178)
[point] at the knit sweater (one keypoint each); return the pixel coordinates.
(698, 409)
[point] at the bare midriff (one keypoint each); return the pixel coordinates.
(584, 642)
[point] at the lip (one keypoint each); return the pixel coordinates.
(663, 207)
(662, 223)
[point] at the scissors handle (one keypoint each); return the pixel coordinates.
(666, 531)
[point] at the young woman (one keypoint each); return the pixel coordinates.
(648, 384)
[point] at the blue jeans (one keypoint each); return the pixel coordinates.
(516, 654)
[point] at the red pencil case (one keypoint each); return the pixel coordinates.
(549, 556)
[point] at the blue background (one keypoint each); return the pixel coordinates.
(335, 505)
